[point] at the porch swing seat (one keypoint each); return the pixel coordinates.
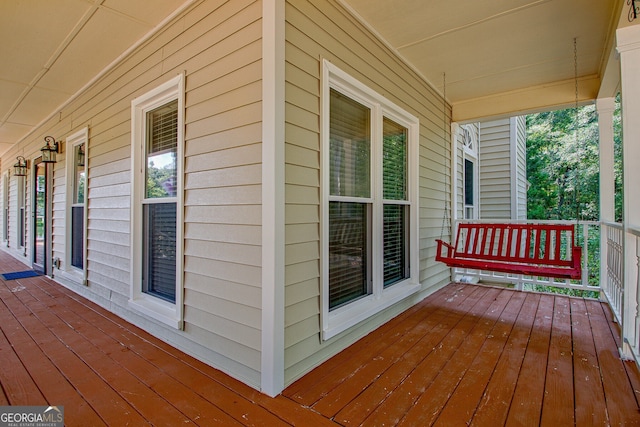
(545, 250)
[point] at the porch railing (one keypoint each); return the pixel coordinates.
(587, 235)
(621, 283)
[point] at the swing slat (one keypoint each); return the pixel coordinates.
(531, 249)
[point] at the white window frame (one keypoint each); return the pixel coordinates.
(470, 143)
(5, 207)
(351, 314)
(21, 212)
(152, 306)
(78, 138)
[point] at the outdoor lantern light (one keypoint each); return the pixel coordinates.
(80, 159)
(20, 168)
(49, 150)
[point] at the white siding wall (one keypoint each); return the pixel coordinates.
(218, 47)
(323, 29)
(520, 125)
(495, 170)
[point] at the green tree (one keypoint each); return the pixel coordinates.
(562, 164)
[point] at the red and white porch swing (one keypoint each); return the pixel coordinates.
(533, 249)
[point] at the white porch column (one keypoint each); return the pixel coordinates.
(628, 45)
(272, 363)
(605, 108)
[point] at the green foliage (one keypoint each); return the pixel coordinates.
(617, 167)
(563, 165)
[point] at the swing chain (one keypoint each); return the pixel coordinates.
(445, 216)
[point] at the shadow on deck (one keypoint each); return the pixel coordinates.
(467, 354)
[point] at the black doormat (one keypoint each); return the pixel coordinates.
(20, 275)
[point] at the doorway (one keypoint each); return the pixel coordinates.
(41, 226)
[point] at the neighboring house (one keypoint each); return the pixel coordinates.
(492, 169)
(256, 197)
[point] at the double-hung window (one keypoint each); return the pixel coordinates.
(77, 183)
(157, 149)
(370, 202)
(5, 207)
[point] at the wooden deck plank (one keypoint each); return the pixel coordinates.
(526, 404)
(460, 407)
(88, 343)
(55, 387)
(111, 408)
(466, 355)
(181, 385)
(590, 404)
(357, 410)
(18, 387)
(408, 334)
(497, 397)
(309, 392)
(440, 362)
(558, 402)
(622, 407)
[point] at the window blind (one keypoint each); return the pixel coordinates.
(395, 244)
(348, 278)
(77, 236)
(162, 129)
(350, 147)
(160, 247)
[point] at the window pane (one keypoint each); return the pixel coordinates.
(79, 184)
(395, 244)
(394, 161)
(348, 267)
(159, 245)
(162, 144)
(77, 236)
(350, 147)
(468, 182)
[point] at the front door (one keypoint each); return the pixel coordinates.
(40, 217)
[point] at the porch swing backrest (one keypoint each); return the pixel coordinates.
(537, 249)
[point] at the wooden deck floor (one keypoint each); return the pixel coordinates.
(466, 355)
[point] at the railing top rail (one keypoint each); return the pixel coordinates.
(633, 230)
(612, 224)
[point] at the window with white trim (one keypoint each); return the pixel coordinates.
(370, 250)
(470, 145)
(5, 207)
(20, 211)
(157, 199)
(76, 181)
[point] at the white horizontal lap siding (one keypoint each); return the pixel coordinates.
(222, 182)
(317, 30)
(58, 214)
(521, 166)
(217, 46)
(495, 170)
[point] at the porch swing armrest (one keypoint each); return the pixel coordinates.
(576, 253)
(444, 245)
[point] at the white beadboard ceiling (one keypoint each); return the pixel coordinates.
(499, 57)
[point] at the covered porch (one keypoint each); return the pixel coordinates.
(466, 355)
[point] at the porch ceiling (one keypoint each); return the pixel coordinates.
(500, 57)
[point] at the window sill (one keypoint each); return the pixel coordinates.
(72, 275)
(350, 315)
(156, 309)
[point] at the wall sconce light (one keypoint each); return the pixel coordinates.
(80, 158)
(20, 168)
(50, 150)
